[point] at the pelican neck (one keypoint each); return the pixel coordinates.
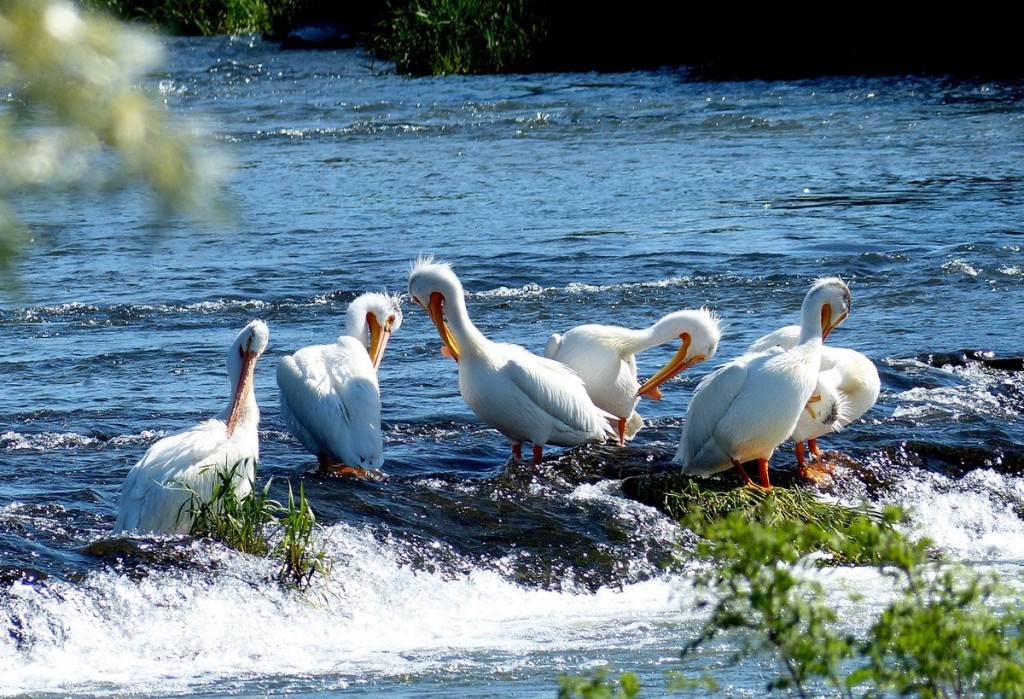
(470, 339)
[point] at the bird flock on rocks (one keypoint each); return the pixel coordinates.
(585, 389)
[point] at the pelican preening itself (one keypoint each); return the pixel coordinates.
(330, 399)
(743, 410)
(157, 492)
(605, 358)
(525, 397)
(848, 385)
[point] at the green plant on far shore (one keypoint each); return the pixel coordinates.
(206, 17)
(258, 525)
(442, 37)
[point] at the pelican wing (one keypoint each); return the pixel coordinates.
(330, 401)
(598, 354)
(714, 395)
(560, 393)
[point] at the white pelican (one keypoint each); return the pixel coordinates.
(157, 492)
(329, 395)
(848, 385)
(746, 408)
(525, 397)
(605, 358)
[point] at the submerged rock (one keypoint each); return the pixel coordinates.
(318, 35)
(974, 356)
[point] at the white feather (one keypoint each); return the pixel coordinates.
(848, 385)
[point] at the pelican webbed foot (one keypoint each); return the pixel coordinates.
(762, 467)
(340, 469)
(817, 471)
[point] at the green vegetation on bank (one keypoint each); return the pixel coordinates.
(439, 37)
(422, 37)
(496, 36)
(208, 17)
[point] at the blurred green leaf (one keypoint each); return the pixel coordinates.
(77, 114)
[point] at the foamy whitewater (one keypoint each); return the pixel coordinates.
(228, 624)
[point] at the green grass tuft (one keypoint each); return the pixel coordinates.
(442, 37)
(300, 562)
(827, 526)
(258, 525)
(240, 523)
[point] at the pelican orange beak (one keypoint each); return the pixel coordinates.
(436, 312)
(810, 411)
(827, 325)
(379, 336)
(244, 387)
(677, 364)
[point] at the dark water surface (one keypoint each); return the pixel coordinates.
(560, 199)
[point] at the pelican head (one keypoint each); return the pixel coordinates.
(242, 356)
(372, 318)
(828, 301)
(433, 285)
(698, 332)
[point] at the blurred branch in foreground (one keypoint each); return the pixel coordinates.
(72, 114)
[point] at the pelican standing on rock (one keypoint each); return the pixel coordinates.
(525, 397)
(330, 399)
(157, 493)
(848, 385)
(743, 410)
(605, 358)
